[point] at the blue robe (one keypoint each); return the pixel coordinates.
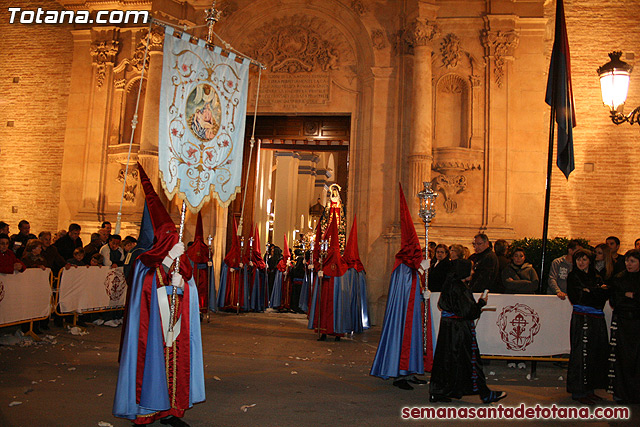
(258, 289)
(400, 351)
(304, 292)
(154, 396)
(276, 299)
(243, 282)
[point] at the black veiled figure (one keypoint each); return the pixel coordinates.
(625, 334)
(457, 367)
(588, 332)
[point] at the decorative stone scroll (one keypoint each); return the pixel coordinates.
(132, 183)
(378, 39)
(449, 186)
(500, 45)
(103, 53)
(359, 7)
(298, 44)
(450, 50)
(137, 58)
(420, 32)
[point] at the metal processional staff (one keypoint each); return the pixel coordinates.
(427, 212)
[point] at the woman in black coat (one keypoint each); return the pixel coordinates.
(625, 331)
(439, 269)
(588, 333)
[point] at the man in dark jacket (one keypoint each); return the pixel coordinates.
(485, 266)
(69, 242)
(19, 241)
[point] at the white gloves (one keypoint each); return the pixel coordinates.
(424, 265)
(174, 252)
(176, 280)
(426, 294)
(320, 274)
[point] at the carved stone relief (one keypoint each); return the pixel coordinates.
(500, 45)
(131, 185)
(298, 44)
(359, 7)
(420, 32)
(450, 50)
(227, 7)
(378, 39)
(448, 186)
(103, 53)
(135, 62)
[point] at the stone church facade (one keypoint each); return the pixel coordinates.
(450, 92)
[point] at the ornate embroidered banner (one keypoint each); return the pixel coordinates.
(203, 102)
(520, 325)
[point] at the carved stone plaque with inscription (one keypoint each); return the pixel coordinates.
(295, 89)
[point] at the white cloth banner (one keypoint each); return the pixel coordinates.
(25, 295)
(91, 288)
(521, 325)
(203, 104)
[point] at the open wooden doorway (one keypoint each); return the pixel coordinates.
(299, 157)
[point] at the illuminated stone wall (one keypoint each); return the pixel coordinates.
(446, 90)
(33, 117)
(602, 196)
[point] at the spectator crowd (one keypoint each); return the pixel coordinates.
(63, 249)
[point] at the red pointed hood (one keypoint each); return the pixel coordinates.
(351, 254)
(198, 252)
(165, 235)
(410, 253)
(159, 216)
(334, 265)
(282, 265)
(256, 256)
(232, 259)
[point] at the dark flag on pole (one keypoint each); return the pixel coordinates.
(560, 95)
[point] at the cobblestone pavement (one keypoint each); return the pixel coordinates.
(262, 369)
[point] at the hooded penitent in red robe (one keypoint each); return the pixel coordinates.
(158, 378)
(258, 281)
(353, 304)
(322, 315)
(198, 253)
(281, 292)
(400, 350)
(233, 293)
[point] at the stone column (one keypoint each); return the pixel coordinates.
(104, 47)
(285, 197)
(499, 39)
(148, 154)
(419, 35)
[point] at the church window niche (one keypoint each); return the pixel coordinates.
(452, 152)
(452, 112)
(129, 108)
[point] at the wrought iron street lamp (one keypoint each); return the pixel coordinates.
(614, 84)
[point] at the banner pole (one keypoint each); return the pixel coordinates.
(176, 270)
